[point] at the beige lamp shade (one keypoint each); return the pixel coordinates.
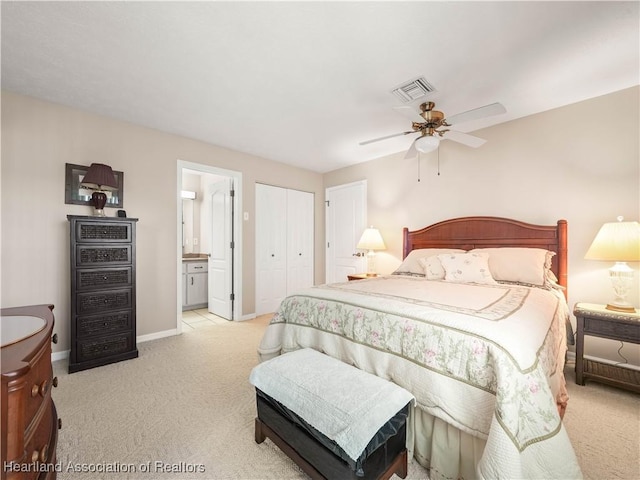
(616, 242)
(371, 240)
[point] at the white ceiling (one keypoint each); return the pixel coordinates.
(304, 82)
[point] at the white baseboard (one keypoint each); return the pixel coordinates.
(157, 335)
(63, 355)
(249, 316)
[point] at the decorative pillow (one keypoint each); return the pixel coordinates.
(467, 268)
(518, 264)
(433, 268)
(411, 264)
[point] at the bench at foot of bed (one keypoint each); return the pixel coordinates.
(297, 424)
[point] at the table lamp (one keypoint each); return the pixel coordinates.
(618, 242)
(371, 240)
(99, 178)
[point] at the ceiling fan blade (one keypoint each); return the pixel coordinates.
(409, 113)
(464, 138)
(412, 152)
(476, 113)
(388, 136)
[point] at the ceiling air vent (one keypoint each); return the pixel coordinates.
(413, 90)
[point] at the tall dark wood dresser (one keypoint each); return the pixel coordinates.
(29, 419)
(103, 291)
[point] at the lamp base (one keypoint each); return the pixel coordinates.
(371, 264)
(99, 199)
(620, 308)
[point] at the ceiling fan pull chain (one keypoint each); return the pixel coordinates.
(419, 167)
(438, 162)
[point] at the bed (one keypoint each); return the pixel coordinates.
(473, 325)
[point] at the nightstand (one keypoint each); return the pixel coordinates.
(597, 321)
(360, 276)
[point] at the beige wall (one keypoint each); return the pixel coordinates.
(580, 163)
(38, 138)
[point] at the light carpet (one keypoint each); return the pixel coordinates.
(185, 410)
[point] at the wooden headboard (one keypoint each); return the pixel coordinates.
(484, 232)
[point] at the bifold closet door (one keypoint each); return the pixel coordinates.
(271, 247)
(299, 240)
(284, 244)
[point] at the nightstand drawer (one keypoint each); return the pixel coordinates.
(626, 332)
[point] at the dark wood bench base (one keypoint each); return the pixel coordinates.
(319, 462)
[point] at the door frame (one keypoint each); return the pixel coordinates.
(237, 226)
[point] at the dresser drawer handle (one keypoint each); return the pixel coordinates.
(54, 339)
(54, 382)
(59, 424)
(41, 389)
(40, 456)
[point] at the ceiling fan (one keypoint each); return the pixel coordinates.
(429, 123)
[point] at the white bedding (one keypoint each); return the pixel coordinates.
(486, 359)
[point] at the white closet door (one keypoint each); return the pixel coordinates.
(271, 244)
(299, 240)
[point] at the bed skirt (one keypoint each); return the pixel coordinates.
(446, 451)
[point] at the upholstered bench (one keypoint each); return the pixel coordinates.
(334, 420)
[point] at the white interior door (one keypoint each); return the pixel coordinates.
(300, 251)
(221, 257)
(271, 247)
(346, 207)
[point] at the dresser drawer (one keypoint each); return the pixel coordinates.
(103, 324)
(103, 232)
(91, 349)
(38, 384)
(98, 302)
(89, 256)
(90, 279)
(37, 446)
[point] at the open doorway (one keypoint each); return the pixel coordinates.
(209, 242)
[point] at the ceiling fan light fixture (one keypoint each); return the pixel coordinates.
(427, 143)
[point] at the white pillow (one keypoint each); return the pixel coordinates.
(467, 268)
(433, 268)
(530, 266)
(411, 264)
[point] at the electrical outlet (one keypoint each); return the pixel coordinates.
(246, 216)
(195, 241)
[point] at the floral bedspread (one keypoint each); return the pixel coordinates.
(487, 359)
